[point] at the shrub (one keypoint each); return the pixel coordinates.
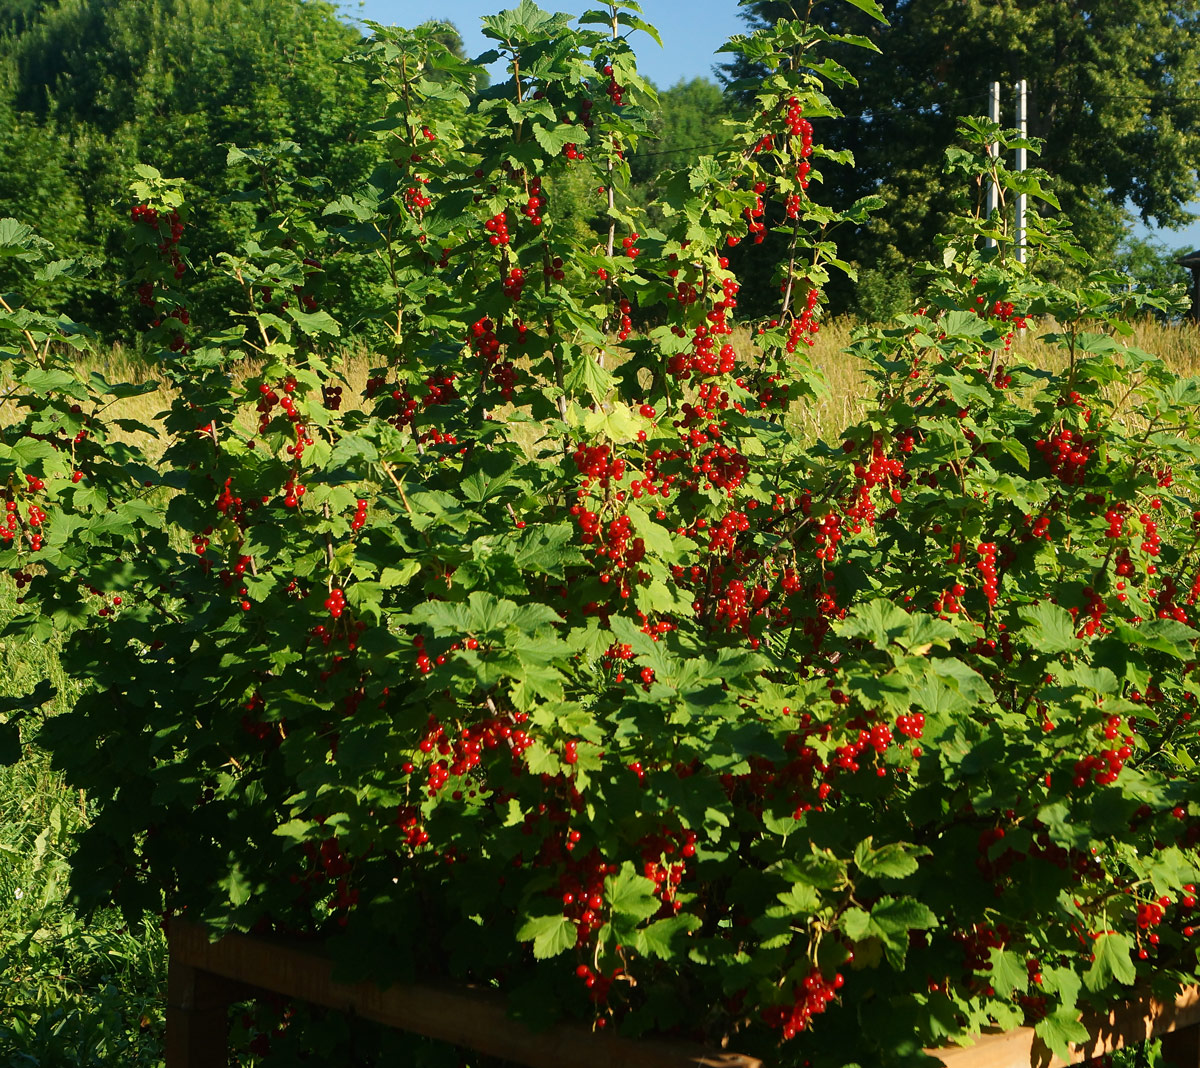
(892, 731)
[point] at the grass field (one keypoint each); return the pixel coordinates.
(78, 991)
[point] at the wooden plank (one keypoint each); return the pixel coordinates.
(475, 1019)
(197, 1017)
(1132, 1022)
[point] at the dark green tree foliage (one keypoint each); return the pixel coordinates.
(97, 85)
(1112, 91)
(685, 127)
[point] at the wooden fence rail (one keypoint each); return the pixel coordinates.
(206, 977)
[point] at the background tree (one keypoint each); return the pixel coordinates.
(686, 124)
(1114, 91)
(94, 86)
(1150, 264)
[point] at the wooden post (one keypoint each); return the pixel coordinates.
(197, 1017)
(1181, 1049)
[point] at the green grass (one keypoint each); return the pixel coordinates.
(76, 991)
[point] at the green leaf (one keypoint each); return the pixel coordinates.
(879, 621)
(585, 375)
(553, 139)
(856, 923)
(822, 870)
(1016, 450)
(46, 381)
(1059, 1029)
(893, 861)
(634, 23)
(237, 886)
(963, 323)
(551, 935)
(871, 8)
(349, 448)
(1113, 961)
(1052, 626)
(318, 322)
(1008, 972)
(629, 894)
(897, 916)
(297, 830)
(664, 938)
(801, 900)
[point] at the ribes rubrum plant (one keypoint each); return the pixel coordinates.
(551, 659)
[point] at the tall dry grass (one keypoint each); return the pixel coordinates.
(845, 402)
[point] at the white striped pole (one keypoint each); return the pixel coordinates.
(1022, 126)
(993, 194)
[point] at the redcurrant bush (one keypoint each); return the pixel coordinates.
(553, 660)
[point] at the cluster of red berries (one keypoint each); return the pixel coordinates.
(626, 320)
(598, 984)
(597, 462)
(497, 228)
(293, 493)
(828, 534)
(1105, 766)
(535, 203)
(35, 520)
(1151, 541)
(735, 606)
(336, 602)
(1094, 609)
(581, 889)
(615, 90)
(658, 865)
(1067, 456)
(457, 755)
(805, 325)
(327, 862)
(169, 246)
(811, 997)
(704, 359)
(722, 538)
(723, 467)
(513, 283)
(987, 568)
(798, 126)
(416, 198)
(629, 244)
(754, 213)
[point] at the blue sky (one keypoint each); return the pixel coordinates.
(692, 31)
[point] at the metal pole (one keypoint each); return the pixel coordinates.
(1021, 130)
(993, 193)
